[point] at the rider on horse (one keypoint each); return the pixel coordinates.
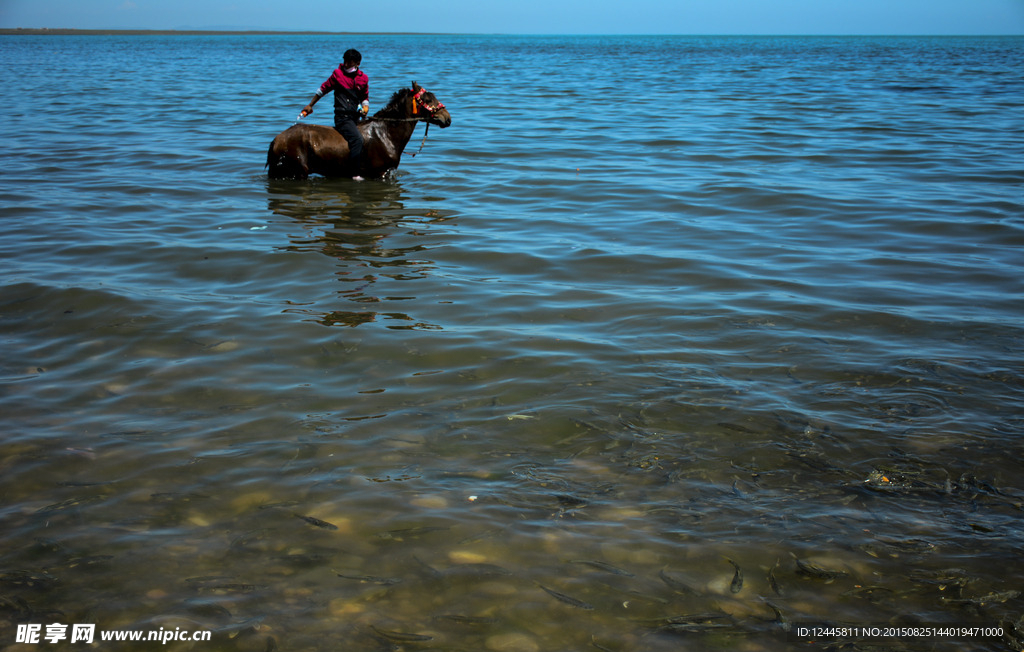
(351, 89)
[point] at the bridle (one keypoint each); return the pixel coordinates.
(417, 101)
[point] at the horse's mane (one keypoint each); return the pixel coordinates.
(392, 108)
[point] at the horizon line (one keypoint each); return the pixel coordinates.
(215, 31)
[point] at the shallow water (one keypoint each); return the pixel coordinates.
(651, 310)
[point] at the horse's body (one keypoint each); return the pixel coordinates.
(304, 149)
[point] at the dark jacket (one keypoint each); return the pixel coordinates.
(350, 90)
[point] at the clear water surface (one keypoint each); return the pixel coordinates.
(667, 343)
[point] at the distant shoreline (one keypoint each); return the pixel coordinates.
(63, 31)
(60, 31)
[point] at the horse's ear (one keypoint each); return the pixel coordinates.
(415, 87)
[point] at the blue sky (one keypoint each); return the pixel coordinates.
(532, 16)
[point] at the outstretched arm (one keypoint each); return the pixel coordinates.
(309, 107)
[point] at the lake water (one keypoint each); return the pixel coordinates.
(666, 343)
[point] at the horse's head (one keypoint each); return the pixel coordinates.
(424, 105)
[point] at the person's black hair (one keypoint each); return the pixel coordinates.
(353, 56)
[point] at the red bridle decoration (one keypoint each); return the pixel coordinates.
(417, 100)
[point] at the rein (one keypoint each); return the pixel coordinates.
(417, 100)
(423, 142)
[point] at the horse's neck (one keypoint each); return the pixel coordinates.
(397, 135)
(401, 133)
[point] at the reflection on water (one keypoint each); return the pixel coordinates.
(356, 224)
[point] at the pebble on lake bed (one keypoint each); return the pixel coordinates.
(430, 502)
(340, 607)
(466, 557)
(198, 520)
(223, 347)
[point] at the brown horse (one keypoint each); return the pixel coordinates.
(304, 149)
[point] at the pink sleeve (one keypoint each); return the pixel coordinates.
(326, 86)
(365, 87)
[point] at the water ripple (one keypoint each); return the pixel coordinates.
(758, 316)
